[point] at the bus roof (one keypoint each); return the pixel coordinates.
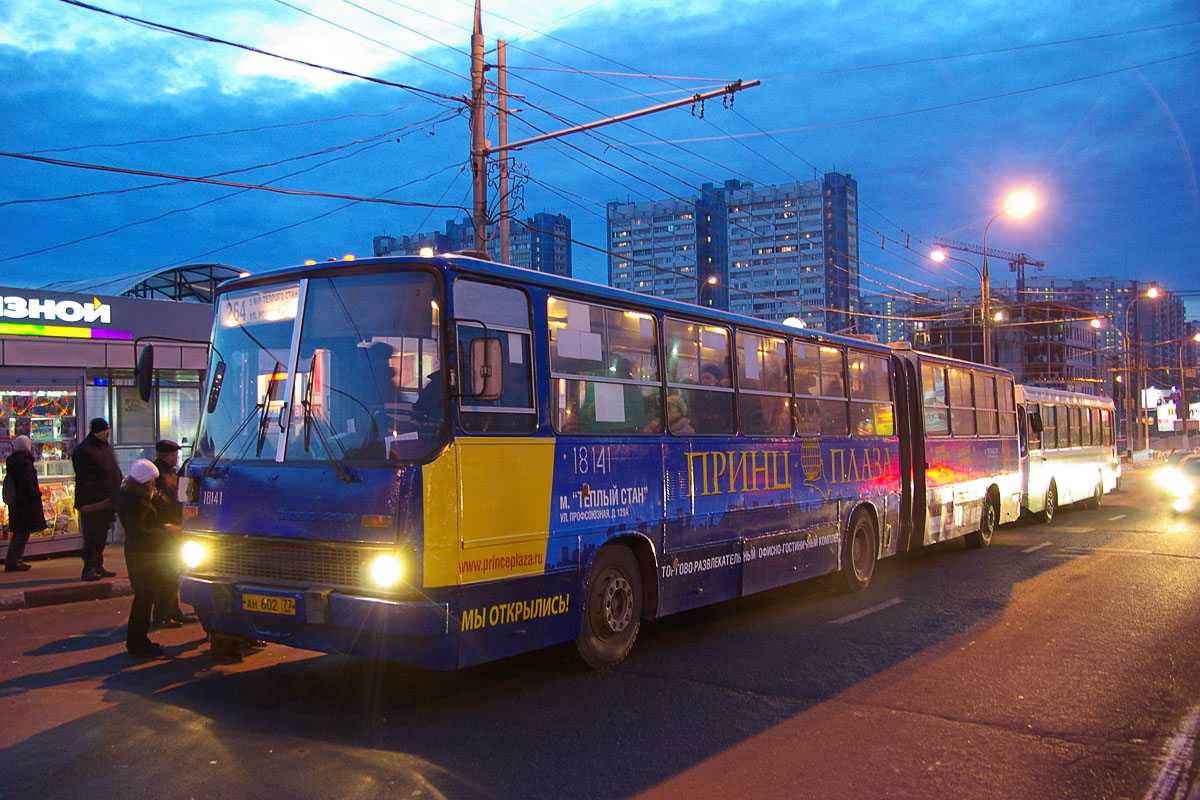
(470, 265)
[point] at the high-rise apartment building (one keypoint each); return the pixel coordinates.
(771, 252)
(541, 242)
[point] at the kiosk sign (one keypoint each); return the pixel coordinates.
(18, 307)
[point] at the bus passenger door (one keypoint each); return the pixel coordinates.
(914, 482)
(904, 432)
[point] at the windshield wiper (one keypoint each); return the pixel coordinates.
(233, 438)
(306, 404)
(263, 418)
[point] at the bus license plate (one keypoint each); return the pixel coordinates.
(269, 605)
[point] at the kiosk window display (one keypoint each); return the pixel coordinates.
(48, 417)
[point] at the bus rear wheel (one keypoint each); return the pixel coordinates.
(858, 557)
(1047, 512)
(1097, 496)
(612, 608)
(988, 518)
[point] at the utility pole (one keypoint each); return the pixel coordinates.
(502, 127)
(479, 146)
(478, 142)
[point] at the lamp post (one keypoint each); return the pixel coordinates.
(940, 256)
(705, 293)
(1018, 204)
(1183, 408)
(1132, 391)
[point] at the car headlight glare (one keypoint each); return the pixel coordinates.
(386, 570)
(1167, 477)
(193, 553)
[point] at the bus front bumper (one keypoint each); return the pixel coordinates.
(415, 632)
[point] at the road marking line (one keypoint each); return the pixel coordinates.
(1114, 550)
(1036, 547)
(866, 611)
(1117, 517)
(1173, 777)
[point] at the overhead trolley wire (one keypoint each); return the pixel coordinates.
(376, 41)
(214, 40)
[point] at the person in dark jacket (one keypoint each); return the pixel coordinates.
(143, 543)
(167, 613)
(97, 481)
(24, 499)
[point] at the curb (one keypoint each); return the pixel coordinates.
(57, 595)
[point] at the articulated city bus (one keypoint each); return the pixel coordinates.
(445, 460)
(1069, 450)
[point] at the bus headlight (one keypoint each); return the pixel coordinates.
(193, 554)
(386, 570)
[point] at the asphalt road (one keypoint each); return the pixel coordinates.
(1060, 662)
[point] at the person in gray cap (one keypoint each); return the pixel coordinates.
(23, 497)
(167, 613)
(97, 481)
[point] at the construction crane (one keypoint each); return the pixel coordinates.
(1016, 261)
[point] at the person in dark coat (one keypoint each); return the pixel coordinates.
(167, 613)
(97, 481)
(143, 543)
(24, 499)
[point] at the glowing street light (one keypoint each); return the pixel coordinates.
(1018, 204)
(1183, 407)
(1131, 391)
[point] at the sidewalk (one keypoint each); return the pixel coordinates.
(56, 580)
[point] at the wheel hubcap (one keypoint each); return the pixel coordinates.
(617, 604)
(859, 551)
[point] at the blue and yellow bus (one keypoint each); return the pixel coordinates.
(442, 460)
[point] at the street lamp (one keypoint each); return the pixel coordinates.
(706, 288)
(1131, 387)
(1018, 204)
(941, 255)
(1183, 409)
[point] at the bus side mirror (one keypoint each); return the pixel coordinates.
(487, 369)
(145, 373)
(1035, 421)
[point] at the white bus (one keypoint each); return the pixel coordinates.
(1069, 451)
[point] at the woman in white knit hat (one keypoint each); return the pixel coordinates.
(143, 535)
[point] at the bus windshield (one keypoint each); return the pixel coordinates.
(368, 383)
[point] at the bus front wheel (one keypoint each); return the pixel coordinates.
(612, 609)
(1047, 513)
(858, 557)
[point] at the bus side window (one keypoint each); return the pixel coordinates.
(764, 405)
(505, 311)
(1035, 427)
(933, 391)
(985, 403)
(962, 404)
(870, 396)
(1006, 401)
(1062, 428)
(698, 373)
(603, 369)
